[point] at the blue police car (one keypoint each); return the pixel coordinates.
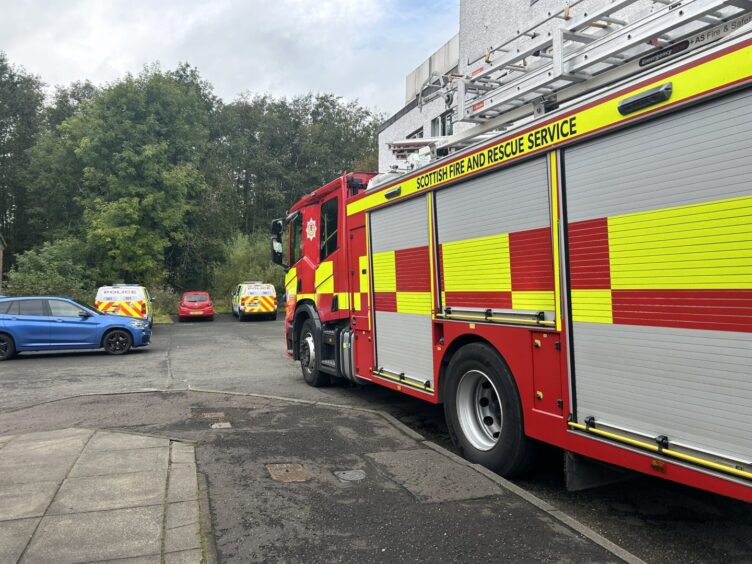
(49, 323)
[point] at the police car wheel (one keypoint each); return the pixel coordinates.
(117, 342)
(484, 413)
(7, 347)
(309, 347)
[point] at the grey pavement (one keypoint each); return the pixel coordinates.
(655, 519)
(79, 495)
(287, 482)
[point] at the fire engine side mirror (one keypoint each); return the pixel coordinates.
(277, 228)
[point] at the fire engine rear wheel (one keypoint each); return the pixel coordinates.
(310, 355)
(483, 411)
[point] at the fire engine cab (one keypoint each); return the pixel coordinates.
(582, 278)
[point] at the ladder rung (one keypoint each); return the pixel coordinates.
(614, 21)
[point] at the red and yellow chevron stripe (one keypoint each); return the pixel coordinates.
(129, 309)
(258, 304)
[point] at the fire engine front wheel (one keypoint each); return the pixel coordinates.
(483, 411)
(310, 355)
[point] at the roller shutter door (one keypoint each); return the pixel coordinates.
(402, 291)
(660, 267)
(495, 242)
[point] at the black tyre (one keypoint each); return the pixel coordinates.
(273, 316)
(241, 317)
(484, 413)
(211, 318)
(117, 341)
(310, 355)
(7, 347)
(181, 319)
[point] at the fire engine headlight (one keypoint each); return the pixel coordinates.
(138, 324)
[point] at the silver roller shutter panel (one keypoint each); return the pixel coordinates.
(513, 199)
(692, 385)
(403, 340)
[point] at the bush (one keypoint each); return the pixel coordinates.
(246, 258)
(55, 268)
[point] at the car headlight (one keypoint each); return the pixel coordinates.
(139, 324)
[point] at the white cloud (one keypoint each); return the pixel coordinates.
(354, 48)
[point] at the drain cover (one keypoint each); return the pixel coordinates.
(350, 475)
(221, 425)
(288, 472)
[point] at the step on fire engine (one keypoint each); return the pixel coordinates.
(581, 278)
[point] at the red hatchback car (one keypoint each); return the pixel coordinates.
(195, 304)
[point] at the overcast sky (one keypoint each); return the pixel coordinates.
(354, 48)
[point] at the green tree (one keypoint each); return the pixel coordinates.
(53, 268)
(20, 104)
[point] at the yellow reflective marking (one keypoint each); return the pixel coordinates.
(356, 301)
(384, 272)
(554, 179)
(536, 301)
(716, 73)
(363, 266)
(414, 302)
(324, 278)
(477, 265)
(431, 255)
(592, 306)
(291, 281)
(698, 246)
(343, 300)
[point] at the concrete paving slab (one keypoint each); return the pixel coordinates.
(55, 435)
(181, 453)
(99, 535)
(182, 530)
(122, 441)
(433, 478)
(21, 469)
(14, 536)
(18, 501)
(5, 439)
(107, 462)
(98, 493)
(153, 559)
(46, 448)
(183, 484)
(183, 557)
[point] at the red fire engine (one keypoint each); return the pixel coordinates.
(582, 280)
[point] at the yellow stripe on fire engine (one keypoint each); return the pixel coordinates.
(477, 265)
(291, 282)
(592, 306)
(553, 158)
(324, 278)
(700, 246)
(384, 272)
(414, 302)
(363, 266)
(536, 301)
(723, 70)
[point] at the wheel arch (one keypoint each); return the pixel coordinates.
(10, 335)
(453, 349)
(305, 309)
(109, 330)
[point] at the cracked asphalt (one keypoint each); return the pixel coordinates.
(653, 519)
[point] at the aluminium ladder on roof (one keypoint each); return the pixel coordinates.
(569, 54)
(568, 62)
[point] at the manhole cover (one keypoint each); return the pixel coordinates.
(350, 475)
(288, 472)
(221, 425)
